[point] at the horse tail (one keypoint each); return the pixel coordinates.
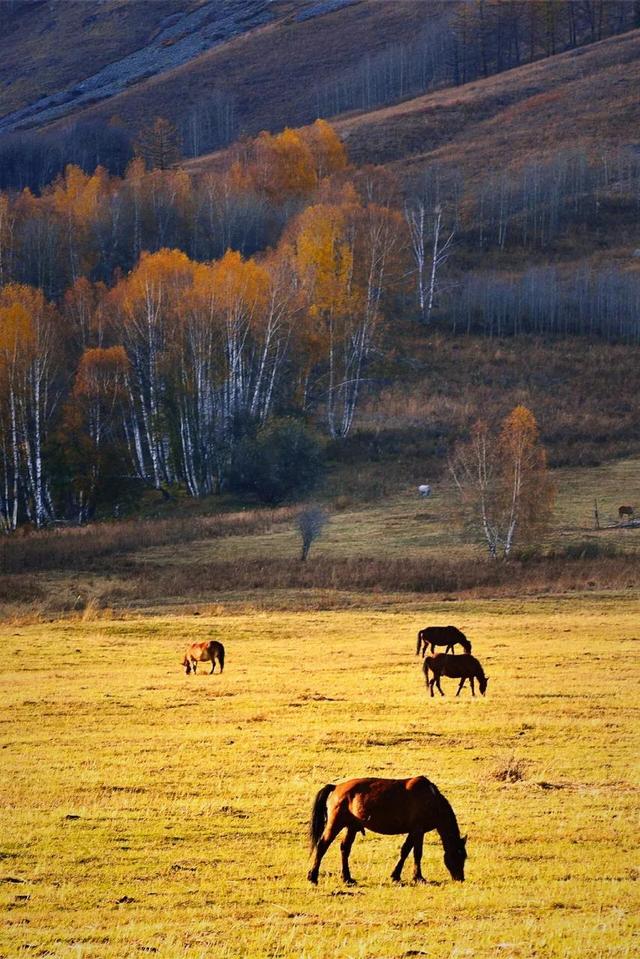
(221, 656)
(427, 664)
(319, 814)
(419, 643)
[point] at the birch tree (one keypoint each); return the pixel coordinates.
(430, 248)
(29, 351)
(503, 482)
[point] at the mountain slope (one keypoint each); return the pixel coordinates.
(127, 43)
(586, 97)
(279, 54)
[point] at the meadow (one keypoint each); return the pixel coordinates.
(145, 812)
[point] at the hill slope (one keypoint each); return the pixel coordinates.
(586, 97)
(260, 52)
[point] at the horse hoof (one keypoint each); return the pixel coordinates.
(397, 880)
(350, 882)
(312, 879)
(419, 880)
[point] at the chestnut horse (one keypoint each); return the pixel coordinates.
(390, 807)
(209, 651)
(456, 667)
(446, 636)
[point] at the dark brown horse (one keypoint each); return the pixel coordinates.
(625, 511)
(446, 636)
(390, 807)
(456, 667)
(209, 651)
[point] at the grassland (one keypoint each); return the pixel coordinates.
(145, 812)
(394, 548)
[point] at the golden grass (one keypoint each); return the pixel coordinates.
(368, 555)
(145, 812)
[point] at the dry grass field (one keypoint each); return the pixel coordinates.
(144, 812)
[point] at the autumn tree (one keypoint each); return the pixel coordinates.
(29, 354)
(93, 424)
(342, 252)
(503, 481)
(145, 303)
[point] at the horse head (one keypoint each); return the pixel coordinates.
(455, 856)
(187, 665)
(483, 684)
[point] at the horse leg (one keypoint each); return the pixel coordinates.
(213, 665)
(331, 830)
(396, 875)
(439, 686)
(417, 858)
(430, 683)
(473, 690)
(462, 681)
(345, 849)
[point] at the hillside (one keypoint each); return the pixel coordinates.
(582, 98)
(586, 97)
(168, 56)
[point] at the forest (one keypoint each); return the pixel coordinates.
(154, 325)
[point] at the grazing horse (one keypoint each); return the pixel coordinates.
(625, 511)
(391, 807)
(210, 651)
(441, 636)
(456, 667)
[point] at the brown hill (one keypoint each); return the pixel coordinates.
(286, 50)
(589, 97)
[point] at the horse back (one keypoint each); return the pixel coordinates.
(388, 806)
(455, 666)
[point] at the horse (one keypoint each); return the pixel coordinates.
(441, 636)
(209, 651)
(390, 807)
(625, 511)
(456, 667)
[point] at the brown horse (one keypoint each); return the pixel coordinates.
(456, 667)
(625, 511)
(390, 807)
(446, 636)
(209, 651)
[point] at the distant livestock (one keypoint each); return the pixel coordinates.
(424, 490)
(456, 667)
(625, 511)
(446, 636)
(210, 651)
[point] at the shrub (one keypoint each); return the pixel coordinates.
(284, 460)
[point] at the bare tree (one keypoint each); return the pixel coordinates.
(427, 244)
(311, 521)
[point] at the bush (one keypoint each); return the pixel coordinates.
(285, 459)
